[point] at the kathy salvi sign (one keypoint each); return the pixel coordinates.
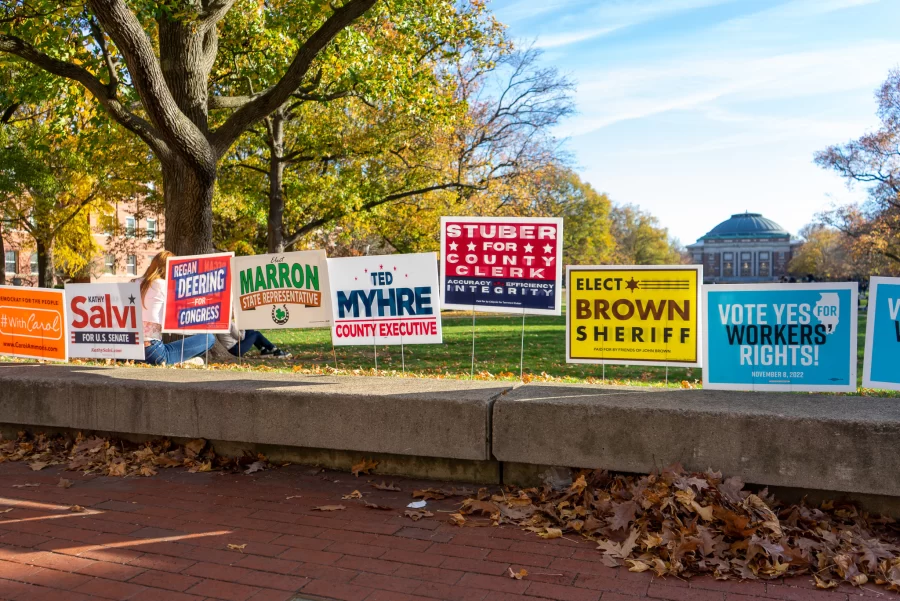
(788, 337)
(33, 323)
(198, 294)
(105, 321)
(634, 315)
(502, 264)
(389, 299)
(287, 290)
(881, 365)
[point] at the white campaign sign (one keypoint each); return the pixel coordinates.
(286, 290)
(105, 321)
(388, 299)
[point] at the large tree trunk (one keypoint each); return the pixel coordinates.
(276, 182)
(45, 264)
(189, 216)
(186, 57)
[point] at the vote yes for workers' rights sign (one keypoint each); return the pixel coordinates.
(881, 367)
(502, 264)
(788, 337)
(198, 294)
(634, 315)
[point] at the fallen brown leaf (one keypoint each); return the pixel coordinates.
(354, 495)
(380, 507)
(383, 486)
(417, 514)
(76, 508)
(63, 483)
(363, 467)
(38, 465)
(233, 547)
(329, 508)
(27, 485)
(518, 575)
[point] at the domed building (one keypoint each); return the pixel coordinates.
(746, 248)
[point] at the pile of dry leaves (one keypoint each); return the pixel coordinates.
(684, 524)
(108, 457)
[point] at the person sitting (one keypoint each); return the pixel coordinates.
(238, 342)
(153, 300)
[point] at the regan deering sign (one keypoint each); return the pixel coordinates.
(881, 368)
(389, 299)
(502, 264)
(634, 315)
(788, 337)
(198, 294)
(287, 290)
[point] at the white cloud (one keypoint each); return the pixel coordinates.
(572, 37)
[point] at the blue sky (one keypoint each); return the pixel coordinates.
(697, 109)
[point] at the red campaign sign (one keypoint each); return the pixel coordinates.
(506, 264)
(198, 294)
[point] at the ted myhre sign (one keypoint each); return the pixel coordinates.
(198, 294)
(881, 366)
(634, 315)
(287, 290)
(788, 337)
(105, 321)
(502, 264)
(389, 299)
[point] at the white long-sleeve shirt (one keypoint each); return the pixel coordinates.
(154, 305)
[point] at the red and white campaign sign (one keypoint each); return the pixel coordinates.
(198, 294)
(502, 264)
(105, 321)
(387, 299)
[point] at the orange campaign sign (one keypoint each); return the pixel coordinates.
(33, 323)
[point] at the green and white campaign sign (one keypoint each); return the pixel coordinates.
(286, 290)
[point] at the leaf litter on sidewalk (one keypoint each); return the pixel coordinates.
(682, 524)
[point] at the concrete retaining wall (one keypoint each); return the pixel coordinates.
(470, 429)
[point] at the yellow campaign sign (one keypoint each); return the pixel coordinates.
(634, 315)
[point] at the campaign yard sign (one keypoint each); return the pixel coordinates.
(286, 290)
(198, 294)
(33, 323)
(788, 337)
(105, 321)
(389, 299)
(881, 365)
(502, 264)
(634, 315)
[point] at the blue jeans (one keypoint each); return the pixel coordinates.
(176, 352)
(251, 338)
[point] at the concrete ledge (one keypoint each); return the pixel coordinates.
(830, 443)
(412, 417)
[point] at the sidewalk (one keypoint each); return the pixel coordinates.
(167, 538)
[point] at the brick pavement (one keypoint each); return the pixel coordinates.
(166, 539)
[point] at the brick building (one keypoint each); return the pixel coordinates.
(746, 248)
(129, 238)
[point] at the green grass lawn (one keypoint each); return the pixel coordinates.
(497, 352)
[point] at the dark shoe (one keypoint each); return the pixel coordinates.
(275, 352)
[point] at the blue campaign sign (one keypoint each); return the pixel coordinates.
(881, 366)
(789, 337)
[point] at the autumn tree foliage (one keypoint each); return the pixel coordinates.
(168, 72)
(53, 177)
(872, 160)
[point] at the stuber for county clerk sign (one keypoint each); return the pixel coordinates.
(502, 264)
(634, 315)
(788, 337)
(198, 294)
(881, 368)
